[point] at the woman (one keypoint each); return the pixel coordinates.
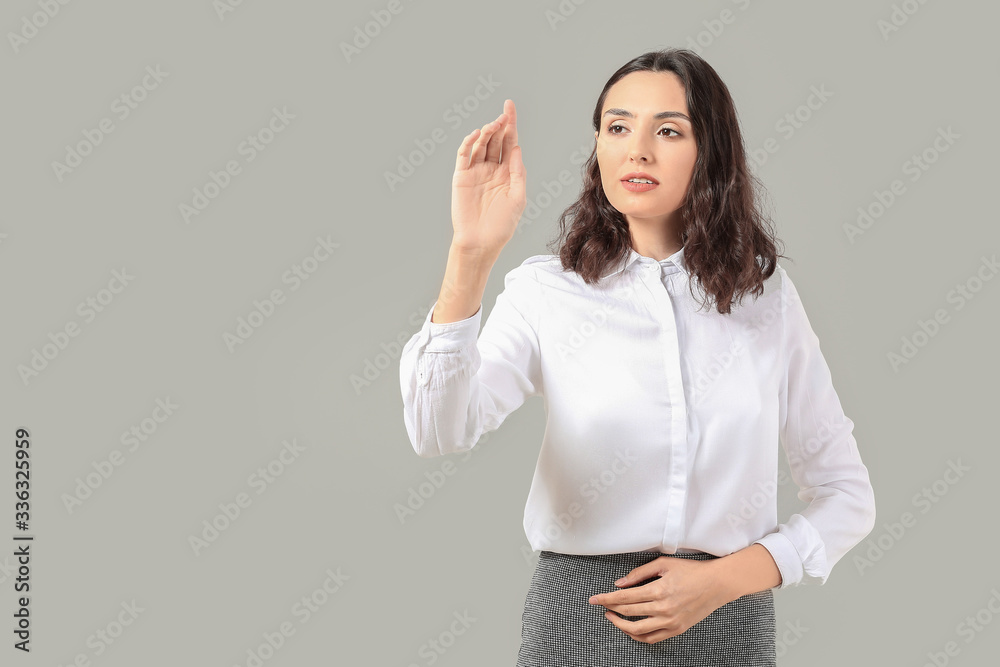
(654, 501)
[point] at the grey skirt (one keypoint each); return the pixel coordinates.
(559, 628)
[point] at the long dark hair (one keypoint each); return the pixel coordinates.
(725, 230)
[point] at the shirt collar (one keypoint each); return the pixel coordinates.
(672, 264)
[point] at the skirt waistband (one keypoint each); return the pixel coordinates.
(629, 556)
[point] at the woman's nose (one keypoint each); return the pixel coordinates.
(637, 150)
(636, 155)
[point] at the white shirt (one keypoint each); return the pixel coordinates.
(662, 422)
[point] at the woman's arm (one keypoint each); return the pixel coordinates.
(748, 570)
(464, 283)
(456, 387)
(823, 458)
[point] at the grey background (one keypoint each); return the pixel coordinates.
(335, 505)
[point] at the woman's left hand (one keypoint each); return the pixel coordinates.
(685, 592)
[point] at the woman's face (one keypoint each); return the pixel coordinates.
(633, 139)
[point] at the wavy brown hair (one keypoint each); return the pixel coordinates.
(729, 243)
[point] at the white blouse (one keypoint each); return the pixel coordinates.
(662, 421)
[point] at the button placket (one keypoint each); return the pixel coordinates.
(669, 343)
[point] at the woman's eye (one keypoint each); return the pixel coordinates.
(668, 129)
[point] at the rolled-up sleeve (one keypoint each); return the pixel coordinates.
(823, 458)
(455, 388)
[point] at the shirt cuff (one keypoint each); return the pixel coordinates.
(452, 336)
(785, 556)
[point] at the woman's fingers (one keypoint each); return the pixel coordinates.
(492, 142)
(477, 147)
(487, 146)
(510, 134)
(501, 126)
(465, 150)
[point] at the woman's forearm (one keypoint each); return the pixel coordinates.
(749, 570)
(463, 286)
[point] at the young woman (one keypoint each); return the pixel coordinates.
(654, 500)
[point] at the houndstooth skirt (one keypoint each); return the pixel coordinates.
(559, 628)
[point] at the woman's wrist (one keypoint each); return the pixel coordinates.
(473, 254)
(749, 570)
(463, 286)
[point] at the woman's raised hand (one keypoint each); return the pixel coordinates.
(488, 191)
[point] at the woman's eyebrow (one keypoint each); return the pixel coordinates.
(662, 114)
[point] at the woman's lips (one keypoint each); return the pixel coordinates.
(638, 187)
